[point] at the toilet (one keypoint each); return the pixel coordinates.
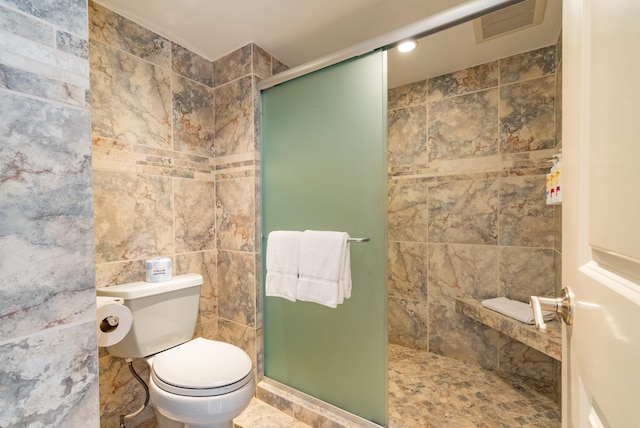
(193, 382)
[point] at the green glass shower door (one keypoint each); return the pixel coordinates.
(324, 168)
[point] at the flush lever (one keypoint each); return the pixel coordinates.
(562, 305)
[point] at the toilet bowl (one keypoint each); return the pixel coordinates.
(193, 382)
(201, 383)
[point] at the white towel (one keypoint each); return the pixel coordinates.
(325, 268)
(515, 309)
(282, 264)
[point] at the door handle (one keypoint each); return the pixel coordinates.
(562, 305)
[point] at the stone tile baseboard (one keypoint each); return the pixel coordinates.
(308, 409)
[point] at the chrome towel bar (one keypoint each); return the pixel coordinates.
(354, 240)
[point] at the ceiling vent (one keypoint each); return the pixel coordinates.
(508, 20)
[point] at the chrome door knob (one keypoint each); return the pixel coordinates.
(562, 305)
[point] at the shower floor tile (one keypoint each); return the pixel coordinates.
(427, 390)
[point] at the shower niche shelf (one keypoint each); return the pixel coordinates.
(549, 343)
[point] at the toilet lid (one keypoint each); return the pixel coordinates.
(202, 367)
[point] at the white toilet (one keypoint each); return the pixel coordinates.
(194, 383)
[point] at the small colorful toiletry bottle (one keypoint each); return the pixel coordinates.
(548, 188)
(551, 185)
(554, 181)
(558, 179)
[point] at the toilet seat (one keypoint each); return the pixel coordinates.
(202, 368)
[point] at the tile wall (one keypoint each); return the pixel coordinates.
(468, 156)
(175, 174)
(175, 166)
(48, 350)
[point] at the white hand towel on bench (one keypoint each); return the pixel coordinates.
(325, 268)
(283, 254)
(515, 309)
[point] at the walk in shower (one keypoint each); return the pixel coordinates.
(468, 155)
(466, 219)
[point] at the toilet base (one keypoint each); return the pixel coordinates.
(175, 411)
(163, 422)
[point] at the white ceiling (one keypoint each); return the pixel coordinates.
(299, 31)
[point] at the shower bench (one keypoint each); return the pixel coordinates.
(549, 343)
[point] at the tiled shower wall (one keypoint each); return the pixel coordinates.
(175, 169)
(468, 156)
(48, 356)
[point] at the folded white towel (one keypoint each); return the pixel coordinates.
(325, 268)
(282, 264)
(515, 309)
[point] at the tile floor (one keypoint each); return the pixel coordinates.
(261, 415)
(427, 390)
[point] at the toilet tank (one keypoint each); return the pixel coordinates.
(164, 314)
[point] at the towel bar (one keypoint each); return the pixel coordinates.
(354, 240)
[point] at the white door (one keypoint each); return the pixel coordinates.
(601, 212)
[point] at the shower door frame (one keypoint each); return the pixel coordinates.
(336, 355)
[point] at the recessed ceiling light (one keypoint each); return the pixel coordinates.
(407, 46)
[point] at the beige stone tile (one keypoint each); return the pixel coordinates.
(463, 81)
(130, 98)
(232, 66)
(464, 127)
(408, 321)
(237, 290)
(407, 136)
(403, 96)
(407, 208)
(526, 272)
(464, 212)
(133, 216)
(192, 113)
(110, 28)
(191, 65)
(444, 392)
(527, 115)
(194, 204)
(459, 270)
(528, 65)
(235, 213)
(407, 270)
(525, 219)
(234, 117)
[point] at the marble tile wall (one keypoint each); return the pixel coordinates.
(48, 350)
(175, 173)
(468, 156)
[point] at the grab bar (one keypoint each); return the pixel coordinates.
(354, 240)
